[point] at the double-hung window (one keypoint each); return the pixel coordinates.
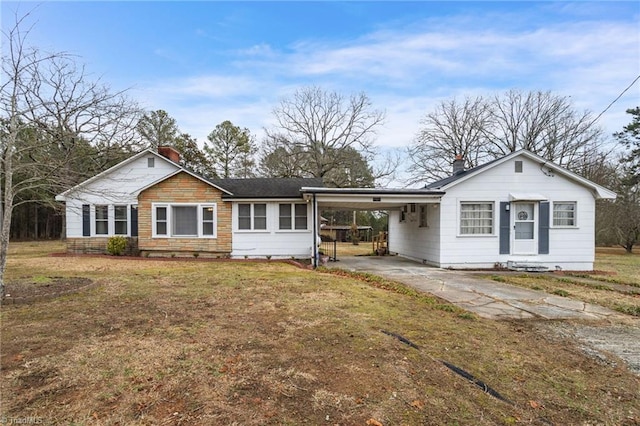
(564, 214)
(184, 220)
(102, 220)
(476, 218)
(161, 216)
(120, 219)
(292, 216)
(208, 221)
(252, 216)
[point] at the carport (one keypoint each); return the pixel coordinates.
(363, 199)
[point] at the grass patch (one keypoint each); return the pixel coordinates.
(40, 279)
(256, 343)
(627, 309)
(613, 285)
(617, 266)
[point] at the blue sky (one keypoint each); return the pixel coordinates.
(206, 62)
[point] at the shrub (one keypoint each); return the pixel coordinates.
(116, 246)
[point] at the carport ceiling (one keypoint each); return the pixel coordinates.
(369, 198)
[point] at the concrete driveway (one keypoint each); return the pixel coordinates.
(486, 298)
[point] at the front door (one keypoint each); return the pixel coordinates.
(525, 239)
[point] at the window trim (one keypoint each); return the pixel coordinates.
(492, 233)
(169, 220)
(154, 221)
(102, 220)
(252, 217)
(126, 219)
(519, 166)
(212, 221)
(292, 217)
(575, 215)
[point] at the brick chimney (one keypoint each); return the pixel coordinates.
(458, 165)
(169, 152)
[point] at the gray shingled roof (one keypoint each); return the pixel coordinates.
(266, 187)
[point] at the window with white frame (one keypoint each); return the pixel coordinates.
(208, 221)
(252, 216)
(259, 216)
(160, 221)
(120, 214)
(102, 220)
(292, 216)
(476, 218)
(184, 220)
(564, 214)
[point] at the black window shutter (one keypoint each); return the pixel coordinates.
(134, 221)
(543, 228)
(505, 227)
(86, 220)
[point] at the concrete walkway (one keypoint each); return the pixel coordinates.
(486, 298)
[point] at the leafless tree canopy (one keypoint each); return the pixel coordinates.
(454, 128)
(483, 129)
(314, 127)
(52, 115)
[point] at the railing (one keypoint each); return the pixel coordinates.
(329, 248)
(380, 243)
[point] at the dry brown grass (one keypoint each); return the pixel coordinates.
(615, 283)
(177, 342)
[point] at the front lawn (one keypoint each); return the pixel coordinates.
(253, 343)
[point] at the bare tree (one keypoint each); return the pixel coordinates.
(480, 130)
(50, 113)
(543, 123)
(453, 129)
(314, 126)
(618, 222)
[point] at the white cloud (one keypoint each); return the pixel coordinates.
(408, 70)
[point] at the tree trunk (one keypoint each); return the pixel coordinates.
(6, 213)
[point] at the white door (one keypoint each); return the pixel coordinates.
(525, 239)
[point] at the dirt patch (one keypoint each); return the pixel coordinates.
(42, 288)
(606, 343)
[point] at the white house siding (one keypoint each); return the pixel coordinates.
(272, 242)
(119, 186)
(569, 248)
(409, 240)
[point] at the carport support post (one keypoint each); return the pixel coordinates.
(316, 231)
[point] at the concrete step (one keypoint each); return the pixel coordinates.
(526, 266)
